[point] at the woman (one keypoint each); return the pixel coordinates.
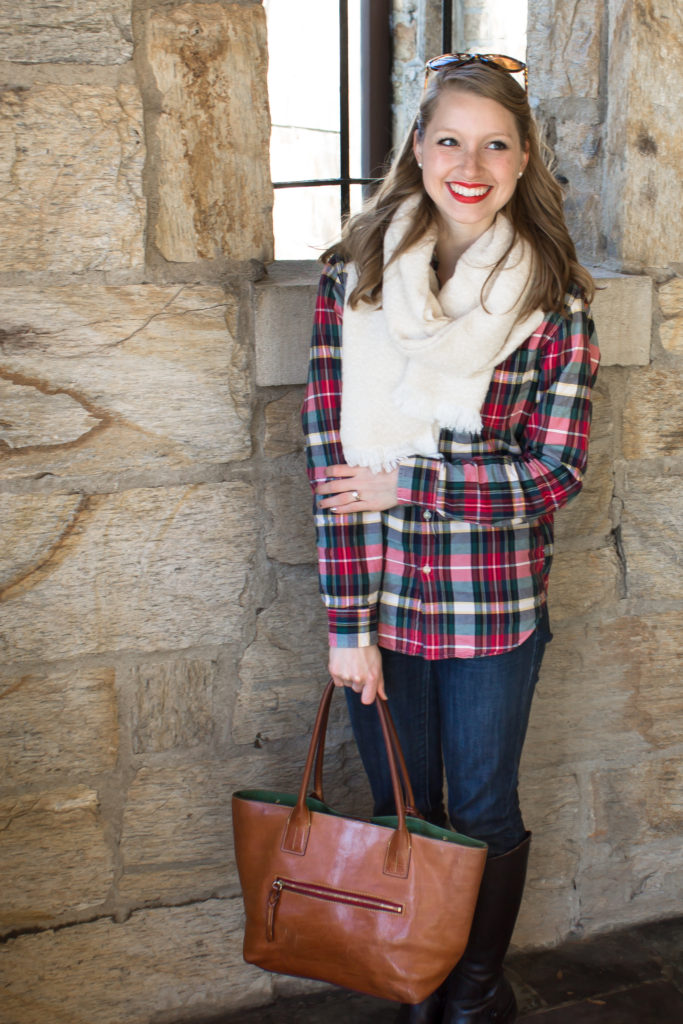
(455, 312)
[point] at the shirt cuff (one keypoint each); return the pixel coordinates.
(419, 482)
(352, 627)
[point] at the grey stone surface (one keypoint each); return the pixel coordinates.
(55, 856)
(57, 724)
(185, 962)
(71, 161)
(72, 31)
(102, 380)
(282, 331)
(213, 177)
(127, 571)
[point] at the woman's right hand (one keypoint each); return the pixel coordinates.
(360, 668)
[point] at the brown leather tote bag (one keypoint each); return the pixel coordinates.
(381, 906)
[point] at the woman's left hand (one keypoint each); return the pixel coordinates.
(357, 489)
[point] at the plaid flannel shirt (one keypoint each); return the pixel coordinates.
(459, 567)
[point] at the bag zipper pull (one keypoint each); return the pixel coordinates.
(273, 900)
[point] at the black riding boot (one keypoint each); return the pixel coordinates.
(477, 991)
(429, 1011)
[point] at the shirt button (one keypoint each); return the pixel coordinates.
(427, 515)
(426, 569)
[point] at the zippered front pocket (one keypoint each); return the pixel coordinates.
(323, 892)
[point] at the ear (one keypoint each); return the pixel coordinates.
(417, 148)
(525, 156)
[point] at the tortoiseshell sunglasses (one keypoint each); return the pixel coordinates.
(496, 60)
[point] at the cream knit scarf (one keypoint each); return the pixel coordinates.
(424, 361)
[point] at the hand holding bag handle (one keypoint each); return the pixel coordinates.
(317, 791)
(297, 831)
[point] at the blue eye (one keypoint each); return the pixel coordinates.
(448, 141)
(498, 144)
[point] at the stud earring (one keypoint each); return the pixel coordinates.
(520, 174)
(420, 166)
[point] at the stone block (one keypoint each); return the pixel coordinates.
(608, 693)
(146, 570)
(75, 31)
(644, 140)
(652, 419)
(209, 64)
(622, 309)
(57, 723)
(176, 963)
(177, 831)
(671, 335)
(551, 805)
(284, 304)
(71, 162)
(172, 704)
(671, 297)
(54, 855)
(290, 533)
(584, 583)
(651, 537)
(573, 30)
(635, 805)
(98, 381)
(282, 671)
(643, 886)
(284, 434)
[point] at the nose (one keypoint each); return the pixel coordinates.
(470, 163)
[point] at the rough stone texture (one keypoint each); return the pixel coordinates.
(622, 308)
(78, 31)
(100, 380)
(651, 537)
(276, 699)
(71, 163)
(574, 30)
(290, 536)
(609, 694)
(172, 705)
(671, 297)
(172, 963)
(56, 724)
(552, 808)
(283, 304)
(652, 419)
(600, 574)
(215, 196)
(176, 840)
(284, 434)
(127, 571)
(644, 147)
(54, 856)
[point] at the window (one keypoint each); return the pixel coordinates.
(329, 62)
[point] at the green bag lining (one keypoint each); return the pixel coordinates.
(416, 826)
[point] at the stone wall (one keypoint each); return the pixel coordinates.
(161, 637)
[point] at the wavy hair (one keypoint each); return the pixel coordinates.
(535, 209)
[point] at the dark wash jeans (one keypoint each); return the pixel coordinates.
(467, 717)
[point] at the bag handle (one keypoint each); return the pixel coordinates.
(298, 827)
(317, 791)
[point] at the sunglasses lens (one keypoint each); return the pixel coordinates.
(508, 63)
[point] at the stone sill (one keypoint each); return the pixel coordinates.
(284, 303)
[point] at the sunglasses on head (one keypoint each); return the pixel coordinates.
(494, 60)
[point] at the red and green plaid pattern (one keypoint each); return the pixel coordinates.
(459, 568)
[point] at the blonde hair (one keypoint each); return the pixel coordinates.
(535, 209)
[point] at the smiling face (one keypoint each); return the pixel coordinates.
(471, 156)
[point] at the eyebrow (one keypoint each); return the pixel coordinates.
(494, 134)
